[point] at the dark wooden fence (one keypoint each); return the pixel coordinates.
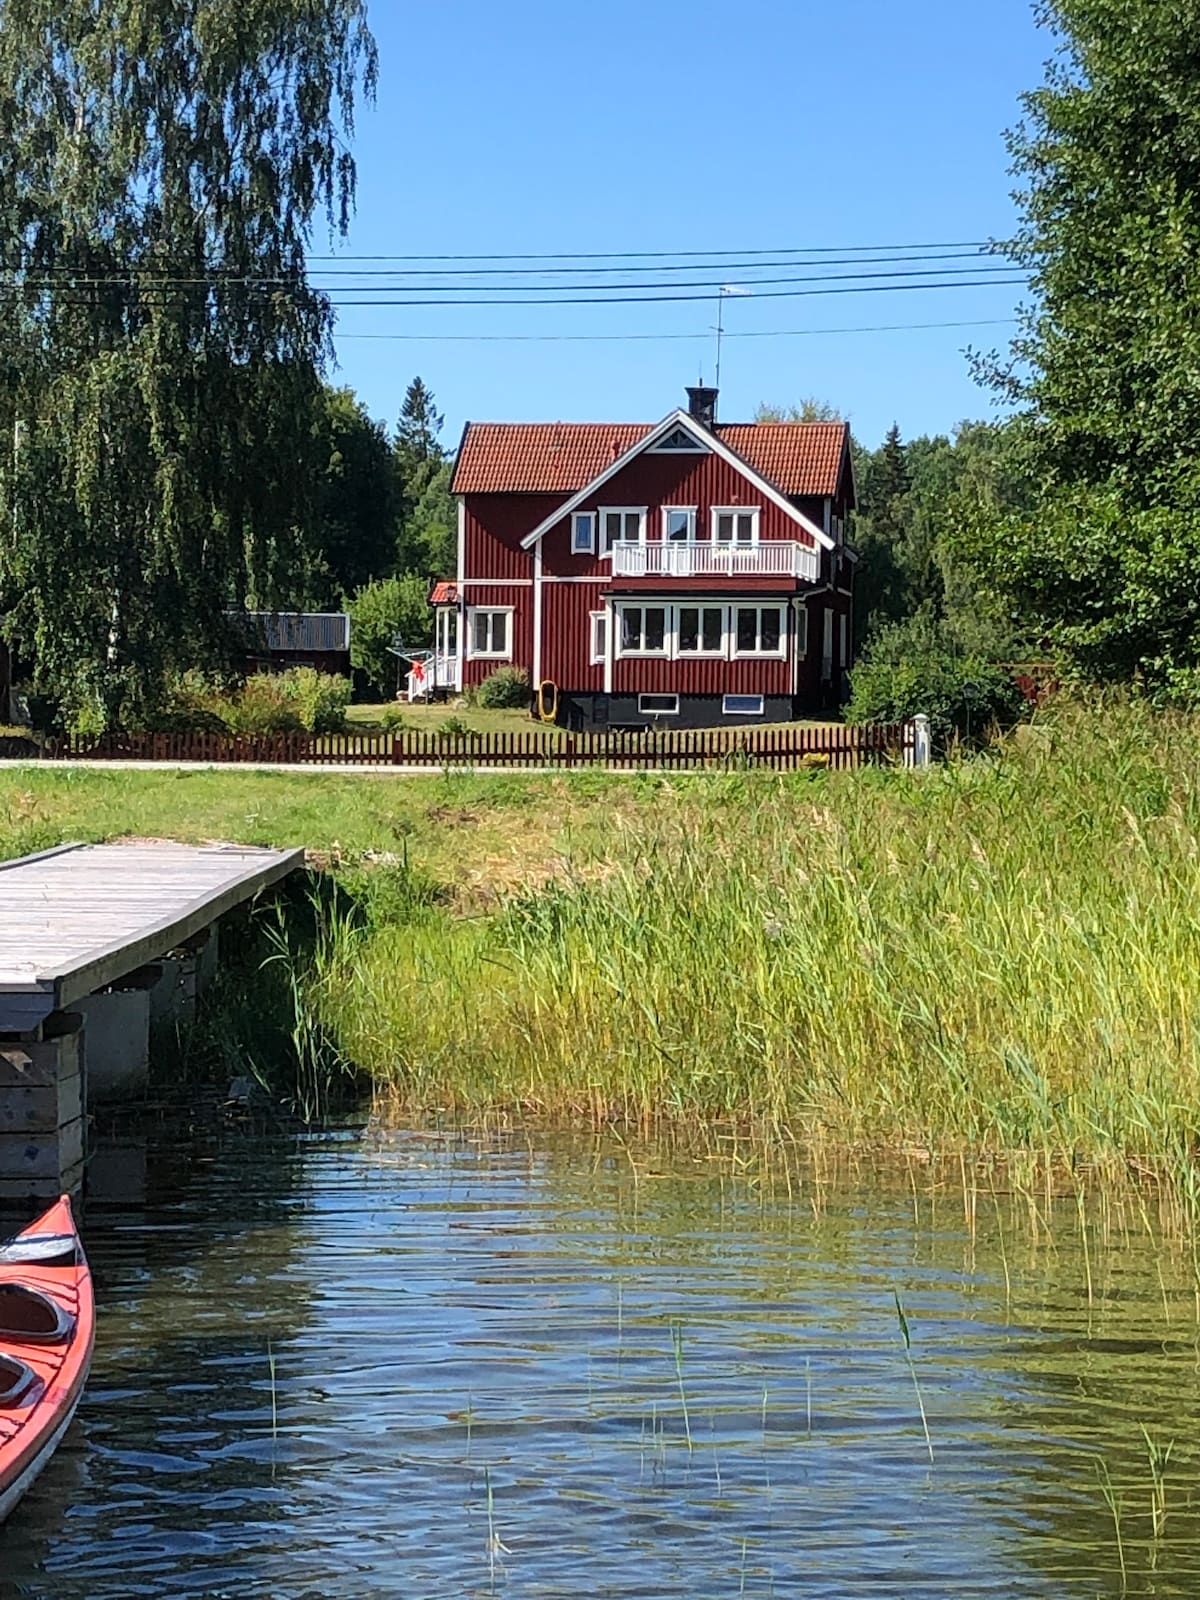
(778, 748)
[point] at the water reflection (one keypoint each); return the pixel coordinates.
(363, 1365)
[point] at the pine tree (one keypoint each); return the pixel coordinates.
(417, 434)
(160, 170)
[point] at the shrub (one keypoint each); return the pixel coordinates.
(301, 700)
(391, 718)
(918, 666)
(453, 727)
(507, 687)
(380, 612)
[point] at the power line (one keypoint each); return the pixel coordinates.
(714, 286)
(673, 255)
(681, 299)
(638, 338)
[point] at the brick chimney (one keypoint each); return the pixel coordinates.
(702, 404)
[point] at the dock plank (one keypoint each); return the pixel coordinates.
(77, 918)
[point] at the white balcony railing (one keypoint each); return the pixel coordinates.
(704, 558)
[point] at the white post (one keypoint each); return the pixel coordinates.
(918, 742)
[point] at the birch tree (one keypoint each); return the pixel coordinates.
(163, 164)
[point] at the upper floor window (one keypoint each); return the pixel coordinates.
(758, 630)
(679, 522)
(621, 523)
(583, 533)
(735, 524)
(490, 632)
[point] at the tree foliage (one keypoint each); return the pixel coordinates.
(161, 167)
(1104, 565)
(391, 613)
(358, 498)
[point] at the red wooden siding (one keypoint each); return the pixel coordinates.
(701, 675)
(566, 634)
(520, 598)
(494, 525)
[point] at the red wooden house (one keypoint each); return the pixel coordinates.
(689, 572)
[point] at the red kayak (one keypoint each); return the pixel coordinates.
(47, 1328)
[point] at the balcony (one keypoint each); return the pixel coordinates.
(704, 558)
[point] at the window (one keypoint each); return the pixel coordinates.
(735, 525)
(643, 630)
(490, 633)
(663, 705)
(842, 640)
(679, 522)
(624, 523)
(801, 631)
(583, 533)
(742, 705)
(599, 622)
(827, 646)
(678, 442)
(758, 630)
(701, 631)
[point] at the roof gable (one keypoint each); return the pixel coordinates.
(673, 422)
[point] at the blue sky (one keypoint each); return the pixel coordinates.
(637, 125)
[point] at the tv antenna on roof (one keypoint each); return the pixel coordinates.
(722, 292)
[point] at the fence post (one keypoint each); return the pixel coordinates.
(918, 745)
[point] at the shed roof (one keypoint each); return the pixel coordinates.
(316, 631)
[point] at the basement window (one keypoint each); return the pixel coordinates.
(660, 705)
(742, 705)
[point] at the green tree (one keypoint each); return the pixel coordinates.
(1104, 563)
(810, 409)
(430, 536)
(390, 614)
(161, 167)
(358, 497)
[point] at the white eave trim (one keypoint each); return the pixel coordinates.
(709, 441)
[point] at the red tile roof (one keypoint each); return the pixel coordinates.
(444, 594)
(799, 458)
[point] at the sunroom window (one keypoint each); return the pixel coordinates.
(758, 630)
(643, 630)
(701, 630)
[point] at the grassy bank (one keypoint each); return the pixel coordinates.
(1001, 954)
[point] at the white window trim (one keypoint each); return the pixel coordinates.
(657, 711)
(691, 513)
(760, 607)
(597, 657)
(692, 448)
(640, 512)
(621, 653)
(736, 511)
(588, 549)
(678, 652)
(489, 655)
(762, 705)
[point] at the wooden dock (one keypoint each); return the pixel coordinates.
(74, 923)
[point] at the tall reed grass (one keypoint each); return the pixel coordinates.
(1002, 954)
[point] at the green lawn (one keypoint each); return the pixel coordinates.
(431, 718)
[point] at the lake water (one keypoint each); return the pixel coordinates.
(362, 1365)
